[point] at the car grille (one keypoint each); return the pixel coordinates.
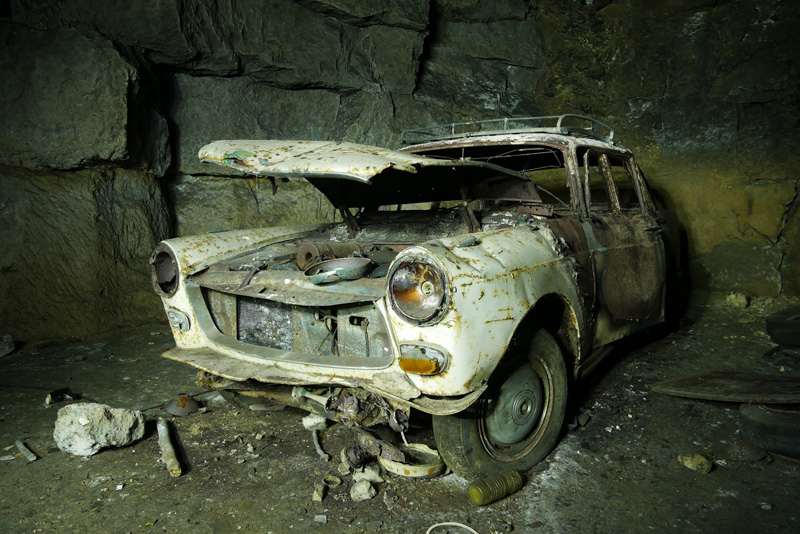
(351, 330)
(265, 323)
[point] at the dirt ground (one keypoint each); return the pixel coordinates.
(254, 471)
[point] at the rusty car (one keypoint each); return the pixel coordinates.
(476, 274)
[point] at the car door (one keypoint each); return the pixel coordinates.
(624, 236)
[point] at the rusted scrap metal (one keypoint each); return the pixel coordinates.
(315, 438)
(732, 386)
(373, 446)
(167, 450)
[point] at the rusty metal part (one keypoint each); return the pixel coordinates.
(733, 386)
(335, 270)
(310, 253)
(375, 447)
(182, 405)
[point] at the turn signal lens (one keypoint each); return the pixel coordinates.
(419, 366)
(417, 291)
(422, 359)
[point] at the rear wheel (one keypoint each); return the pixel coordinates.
(516, 422)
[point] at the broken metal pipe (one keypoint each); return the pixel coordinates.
(167, 450)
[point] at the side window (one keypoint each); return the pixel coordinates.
(595, 175)
(624, 183)
(552, 185)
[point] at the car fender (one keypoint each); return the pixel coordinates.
(495, 279)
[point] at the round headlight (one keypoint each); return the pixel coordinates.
(164, 271)
(417, 290)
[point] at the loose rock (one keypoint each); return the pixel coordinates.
(696, 462)
(362, 491)
(85, 428)
(6, 345)
(370, 474)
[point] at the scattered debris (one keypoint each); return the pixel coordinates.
(343, 468)
(420, 462)
(182, 405)
(95, 482)
(362, 491)
(490, 489)
(258, 407)
(26, 452)
(696, 462)
(321, 518)
(765, 506)
(333, 481)
(167, 450)
(59, 395)
(737, 301)
(784, 327)
(314, 422)
(315, 438)
(352, 458)
(7, 458)
(6, 345)
(376, 447)
(450, 524)
(83, 429)
(733, 387)
(773, 428)
(370, 474)
(319, 492)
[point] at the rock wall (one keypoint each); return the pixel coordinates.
(105, 106)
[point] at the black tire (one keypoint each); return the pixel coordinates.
(773, 428)
(516, 422)
(784, 327)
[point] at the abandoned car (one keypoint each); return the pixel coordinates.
(476, 274)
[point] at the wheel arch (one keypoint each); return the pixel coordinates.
(554, 314)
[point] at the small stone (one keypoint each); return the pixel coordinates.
(696, 462)
(362, 491)
(320, 518)
(6, 345)
(319, 492)
(737, 301)
(373, 526)
(583, 419)
(765, 506)
(344, 470)
(370, 474)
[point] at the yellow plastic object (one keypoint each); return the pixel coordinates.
(490, 489)
(421, 462)
(419, 366)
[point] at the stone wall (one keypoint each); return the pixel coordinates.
(104, 106)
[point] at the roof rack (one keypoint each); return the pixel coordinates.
(567, 123)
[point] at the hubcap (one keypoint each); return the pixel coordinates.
(516, 409)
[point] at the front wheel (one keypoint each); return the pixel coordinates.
(516, 422)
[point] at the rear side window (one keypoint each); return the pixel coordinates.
(608, 182)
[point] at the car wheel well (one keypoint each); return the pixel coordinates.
(553, 314)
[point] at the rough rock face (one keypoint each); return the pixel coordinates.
(706, 92)
(83, 429)
(96, 93)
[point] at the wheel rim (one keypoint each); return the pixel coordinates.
(513, 419)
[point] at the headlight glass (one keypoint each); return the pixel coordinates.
(417, 290)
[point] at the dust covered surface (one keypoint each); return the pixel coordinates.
(255, 471)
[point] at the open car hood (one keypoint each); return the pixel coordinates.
(353, 175)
